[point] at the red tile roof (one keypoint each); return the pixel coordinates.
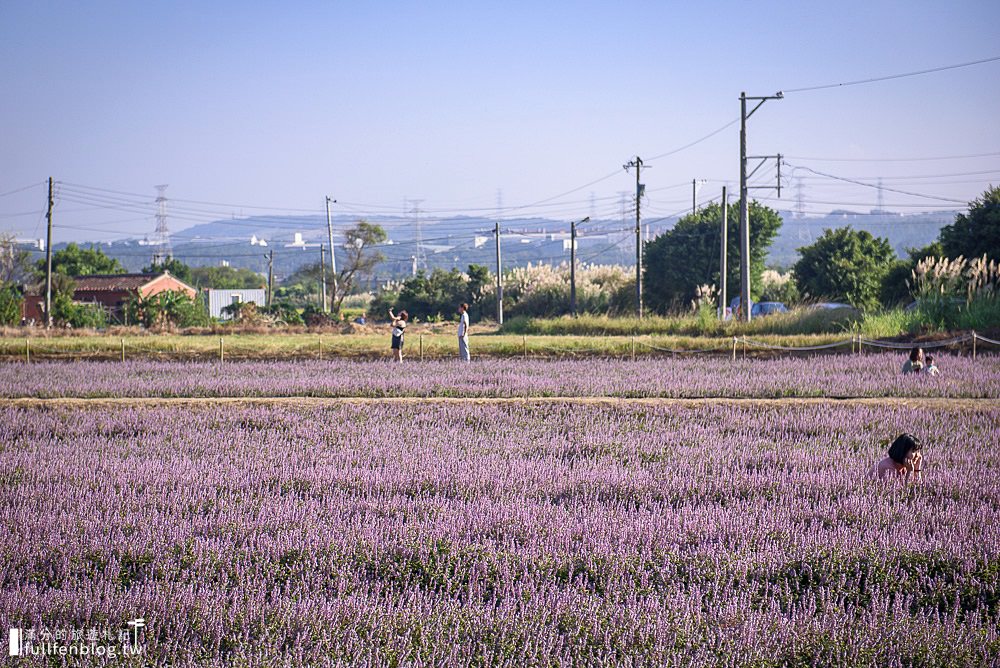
(110, 282)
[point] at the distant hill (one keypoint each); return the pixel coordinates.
(462, 240)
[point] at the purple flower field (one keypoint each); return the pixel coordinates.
(506, 534)
(819, 376)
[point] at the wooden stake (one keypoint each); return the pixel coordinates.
(734, 348)
(27, 351)
(222, 350)
(123, 350)
(321, 349)
(524, 345)
(973, 344)
(633, 348)
(421, 343)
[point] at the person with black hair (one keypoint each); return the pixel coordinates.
(931, 368)
(905, 461)
(398, 329)
(916, 361)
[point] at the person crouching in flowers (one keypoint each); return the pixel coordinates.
(904, 463)
(915, 363)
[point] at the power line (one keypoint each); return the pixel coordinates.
(892, 76)
(920, 159)
(869, 185)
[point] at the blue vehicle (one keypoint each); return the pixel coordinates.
(759, 308)
(766, 308)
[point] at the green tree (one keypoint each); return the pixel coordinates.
(360, 247)
(75, 261)
(977, 232)
(687, 256)
(167, 308)
(10, 304)
(15, 263)
(845, 265)
(223, 278)
(438, 294)
(896, 284)
(177, 269)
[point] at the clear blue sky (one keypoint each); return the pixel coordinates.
(279, 104)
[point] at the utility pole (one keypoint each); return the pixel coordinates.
(322, 264)
(722, 254)
(48, 262)
(694, 193)
(499, 278)
(637, 163)
(270, 276)
(333, 254)
(744, 205)
(572, 265)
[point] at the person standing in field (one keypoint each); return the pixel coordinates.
(398, 330)
(905, 461)
(463, 333)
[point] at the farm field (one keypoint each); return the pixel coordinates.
(663, 512)
(681, 377)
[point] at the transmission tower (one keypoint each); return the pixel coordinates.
(881, 197)
(800, 199)
(420, 257)
(161, 237)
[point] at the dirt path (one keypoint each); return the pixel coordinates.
(936, 403)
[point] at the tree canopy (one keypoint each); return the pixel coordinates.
(687, 256)
(976, 232)
(177, 269)
(76, 261)
(845, 265)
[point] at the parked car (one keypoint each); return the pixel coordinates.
(767, 308)
(758, 308)
(830, 306)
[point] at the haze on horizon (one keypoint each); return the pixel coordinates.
(266, 108)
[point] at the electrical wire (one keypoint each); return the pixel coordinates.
(891, 76)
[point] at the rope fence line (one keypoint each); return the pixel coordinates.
(621, 348)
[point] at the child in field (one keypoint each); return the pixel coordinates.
(398, 329)
(904, 463)
(916, 361)
(931, 368)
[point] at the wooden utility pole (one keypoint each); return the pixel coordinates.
(333, 253)
(48, 262)
(496, 230)
(723, 247)
(637, 163)
(572, 268)
(322, 263)
(270, 276)
(572, 265)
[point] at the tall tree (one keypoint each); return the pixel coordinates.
(75, 261)
(361, 248)
(845, 265)
(15, 263)
(678, 261)
(177, 269)
(977, 232)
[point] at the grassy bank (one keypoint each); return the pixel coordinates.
(369, 346)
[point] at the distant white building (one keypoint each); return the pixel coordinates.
(219, 299)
